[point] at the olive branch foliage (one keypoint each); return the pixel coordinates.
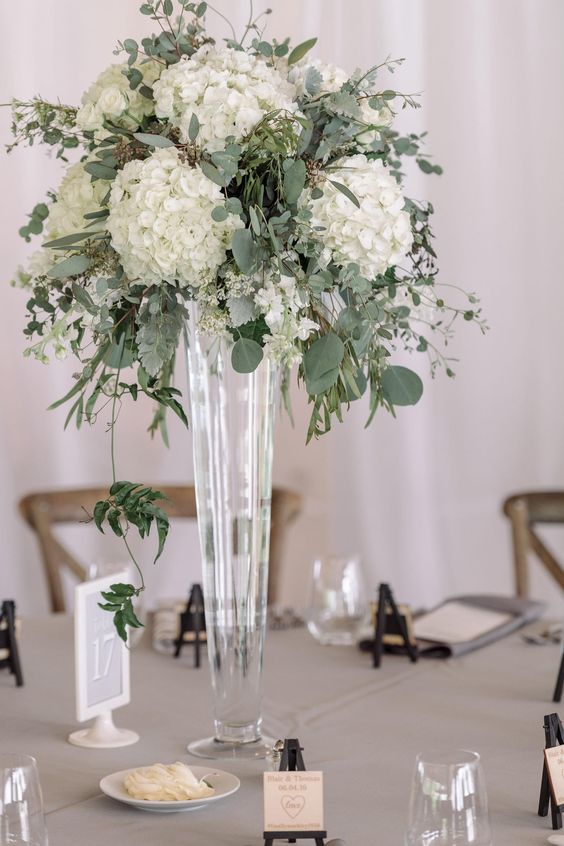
(362, 321)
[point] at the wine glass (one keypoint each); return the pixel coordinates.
(22, 822)
(449, 805)
(338, 604)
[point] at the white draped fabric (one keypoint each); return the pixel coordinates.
(419, 497)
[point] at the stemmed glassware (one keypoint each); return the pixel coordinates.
(338, 604)
(22, 822)
(449, 805)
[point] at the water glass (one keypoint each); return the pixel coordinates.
(338, 605)
(22, 822)
(449, 805)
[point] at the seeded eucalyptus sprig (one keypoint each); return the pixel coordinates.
(49, 123)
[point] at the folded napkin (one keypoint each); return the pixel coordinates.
(166, 625)
(471, 622)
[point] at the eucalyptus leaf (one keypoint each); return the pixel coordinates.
(67, 240)
(346, 191)
(73, 266)
(193, 128)
(322, 359)
(153, 140)
(99, 170)
(294, 180)
(300, 51)
(244, 250)
(246, 355)
(219, 213)
(401, 386)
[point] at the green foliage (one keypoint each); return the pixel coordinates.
(153, 140)
(37, 219)
(401, 386)
(131, 504)
(245, 251)
(161, 319)
(118, 600)
(246, 355)
(300, 51)
(37, 120)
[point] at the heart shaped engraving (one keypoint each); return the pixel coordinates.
(293, 805)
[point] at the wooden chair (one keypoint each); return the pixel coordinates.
(525, 510)
(42, 511)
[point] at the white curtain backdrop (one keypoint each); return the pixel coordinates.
(418, 497)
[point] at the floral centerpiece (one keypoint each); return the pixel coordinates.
(253, 188)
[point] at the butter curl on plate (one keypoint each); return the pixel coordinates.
(166, 783)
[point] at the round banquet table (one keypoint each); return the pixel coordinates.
(362, 727)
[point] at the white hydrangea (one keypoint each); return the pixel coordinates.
(77, 195)
(160, 221)
(379, 117)
(39, 264)
(332, 76)
(111, 98)
(229, 91)
(332, 79)
(375, 236)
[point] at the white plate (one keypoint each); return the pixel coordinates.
(225, 784)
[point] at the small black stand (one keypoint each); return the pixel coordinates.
(8, 640)
(292, 760)
(193, 620)
(559, 682)
(554, 736)
(385, 599)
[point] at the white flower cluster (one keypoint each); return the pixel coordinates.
(332, 76)
(160, 221)
(282, 303)
(58, 340)
(111, 98)
(229, 91)
(375, 236)
(77, 196)
(332, 79)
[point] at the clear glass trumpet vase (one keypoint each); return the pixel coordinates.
(232, 421)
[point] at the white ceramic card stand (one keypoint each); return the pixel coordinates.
(101, 669)
(103, 734)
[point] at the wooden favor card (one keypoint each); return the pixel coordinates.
(293, 799)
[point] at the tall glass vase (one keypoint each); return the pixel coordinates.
(232, 421)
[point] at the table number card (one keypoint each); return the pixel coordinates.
(293, 801)
(555, 764)
(101, 668)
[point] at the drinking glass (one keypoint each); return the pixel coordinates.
(449, 805)
(22, 822)
(338, 605)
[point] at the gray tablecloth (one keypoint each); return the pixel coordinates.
(362, 727)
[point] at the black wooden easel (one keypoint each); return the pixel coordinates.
(385, 599)
(292, 760)
(554, 736)
(9, 642)
(192, 620)
(559, 682)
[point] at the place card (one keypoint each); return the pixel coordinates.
(293, 801)
(555, 764)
